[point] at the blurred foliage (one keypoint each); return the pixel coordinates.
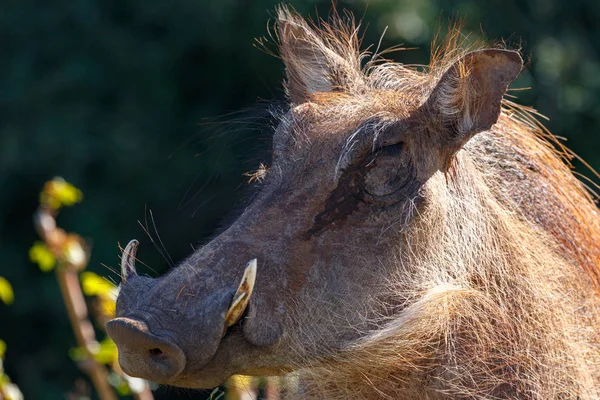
(58, 193)
(114, 95)
(104, 291)
(70, 254)
(7, 294)
(106, 352)
(239, 384)
(8, 390)
(40, 254)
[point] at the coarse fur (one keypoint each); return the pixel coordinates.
(493, 303)
(417, 236)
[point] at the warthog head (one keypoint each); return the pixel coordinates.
(305, 269)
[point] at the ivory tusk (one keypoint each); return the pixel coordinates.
(128, 260)
(241, 298)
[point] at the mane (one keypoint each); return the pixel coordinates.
(489, 310)
(500, 273)
(340, 35)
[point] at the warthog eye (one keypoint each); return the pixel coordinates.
(391, 150)
(392, 176)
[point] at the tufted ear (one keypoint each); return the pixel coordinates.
(467, 98)
(313, 61)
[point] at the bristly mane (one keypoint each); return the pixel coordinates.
(496, 300)
(339, 37)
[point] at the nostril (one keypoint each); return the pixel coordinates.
(144, 354)
(155, 352)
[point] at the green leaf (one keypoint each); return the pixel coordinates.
(40, 254)
(95, 285)
(58, 193)
(77, 354)
(107, 352)
(6, 291)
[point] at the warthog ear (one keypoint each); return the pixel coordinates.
(315, 62)
(467, 99)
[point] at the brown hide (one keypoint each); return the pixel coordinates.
(416, 236)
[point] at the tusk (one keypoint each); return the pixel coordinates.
(242, 295)
(128, 260)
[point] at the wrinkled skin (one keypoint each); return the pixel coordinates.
(303, 267)
(323, 229)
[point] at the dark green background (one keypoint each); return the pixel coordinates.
(120, 97)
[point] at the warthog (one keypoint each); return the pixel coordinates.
(416, 236)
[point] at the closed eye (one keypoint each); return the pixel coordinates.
(391, 150)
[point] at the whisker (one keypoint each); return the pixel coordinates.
(160, 240)
(202, 204)
(183, 204)
(111, 280)
(111, 269)
(147, 231)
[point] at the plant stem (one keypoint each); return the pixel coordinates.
(68, 281)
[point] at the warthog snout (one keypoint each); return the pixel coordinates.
(152, 342)
(144, 354)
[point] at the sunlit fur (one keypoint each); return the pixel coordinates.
(498, 274)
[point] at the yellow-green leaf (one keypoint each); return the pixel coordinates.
(107, 352)
(40, 254)
(120, 383)
(123, 389)
(77, 354)
(6, 291)
(95, 285)
(104, 352)
(108, 306)
(58, 193)
(237, 384)
(2, 349)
